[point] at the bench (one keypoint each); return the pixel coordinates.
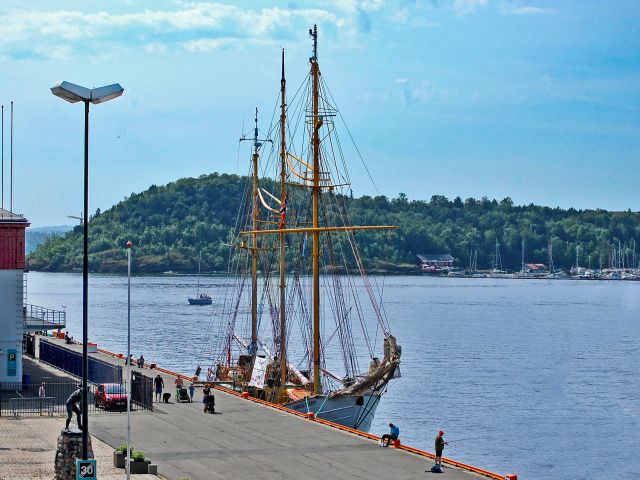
(27, 405)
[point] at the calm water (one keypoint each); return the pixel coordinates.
(541, 377)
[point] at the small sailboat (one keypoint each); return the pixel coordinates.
(299, 322)
(200, 298)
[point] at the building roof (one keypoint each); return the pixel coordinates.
(535, 266)
(435, 257)
(10, 217)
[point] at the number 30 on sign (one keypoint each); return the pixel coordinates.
(86, 470)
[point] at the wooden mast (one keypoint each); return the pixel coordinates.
(283, 155)
(254, 243)
(282, 231)
(317, 123)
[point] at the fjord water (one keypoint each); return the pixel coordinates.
(540, 377)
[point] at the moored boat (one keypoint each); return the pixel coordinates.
(301, 307)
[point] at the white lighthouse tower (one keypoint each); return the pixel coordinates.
(12, 265)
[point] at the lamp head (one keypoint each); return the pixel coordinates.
(73, 93)
(104, 94)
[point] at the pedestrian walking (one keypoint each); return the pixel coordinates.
(192, 391)
(159, 385)
(439, 444)
(72, 406)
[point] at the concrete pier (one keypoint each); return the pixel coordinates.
(245, 439)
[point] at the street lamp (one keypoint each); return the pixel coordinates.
(75, 93)
(128, 383)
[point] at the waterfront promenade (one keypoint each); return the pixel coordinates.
(245, 439)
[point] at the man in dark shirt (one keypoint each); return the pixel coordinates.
(440, 443)
(72, 406)
(158, 382)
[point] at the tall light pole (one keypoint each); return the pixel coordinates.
(75, 93)
(128, 383)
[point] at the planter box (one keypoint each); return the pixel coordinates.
(140, 467)
(119, 460)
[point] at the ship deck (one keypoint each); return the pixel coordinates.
(246, 439)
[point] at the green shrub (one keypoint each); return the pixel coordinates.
(137, 456)
(122, 448)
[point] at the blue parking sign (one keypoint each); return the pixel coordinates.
(12, 361)
(86, 469)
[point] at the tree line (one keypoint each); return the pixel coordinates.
(171, 224)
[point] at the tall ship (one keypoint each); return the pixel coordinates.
(299, 322)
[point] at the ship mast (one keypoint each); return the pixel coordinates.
(283, 199)
(315, 184)
(254, 247)
(317, 123)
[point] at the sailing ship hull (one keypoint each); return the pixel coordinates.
(200, 301)
(355, 412)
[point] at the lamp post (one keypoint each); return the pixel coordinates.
(128, 384)
(75, 93)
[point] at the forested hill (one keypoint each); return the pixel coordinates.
(169, 225)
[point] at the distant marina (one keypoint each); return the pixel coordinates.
(623, 265)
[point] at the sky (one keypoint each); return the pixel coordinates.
(536, 100)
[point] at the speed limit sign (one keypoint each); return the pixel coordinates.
(86, 470)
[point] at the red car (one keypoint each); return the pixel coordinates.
(111, 395)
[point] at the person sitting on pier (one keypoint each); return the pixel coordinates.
(393, 434)
(67, 338)
(141, 361)
(72, 406)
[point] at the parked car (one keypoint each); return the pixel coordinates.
(111, 395)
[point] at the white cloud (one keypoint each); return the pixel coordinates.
(517, 9)
(465, 7)
(191, 26)
(411, 94)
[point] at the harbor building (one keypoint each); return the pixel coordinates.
(12, 294)
(18, 319)
(435, 262)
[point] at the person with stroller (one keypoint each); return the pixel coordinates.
(209, 403)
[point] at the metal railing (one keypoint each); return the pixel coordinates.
(18, 399)
(31, 405)
(35, 315)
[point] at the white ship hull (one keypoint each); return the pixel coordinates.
(350, 411)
